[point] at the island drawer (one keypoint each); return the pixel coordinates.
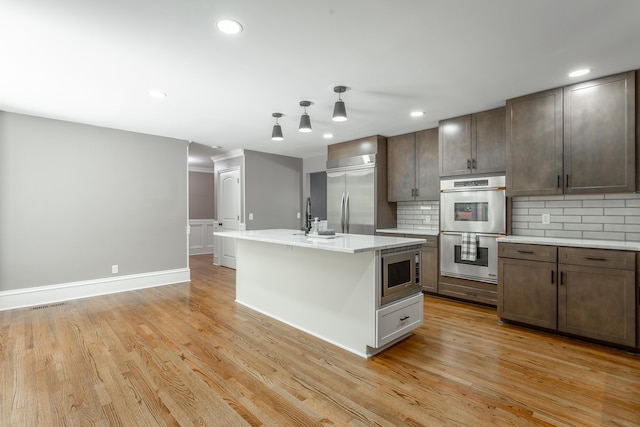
(605, 258)
(529, 252)
(397, 319)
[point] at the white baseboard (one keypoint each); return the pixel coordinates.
(41, 295)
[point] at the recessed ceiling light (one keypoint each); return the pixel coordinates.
(229, 26)
(578, 73)
(327, 135)
(157, 94)
(417, 113)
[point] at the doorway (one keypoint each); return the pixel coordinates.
(229, 213)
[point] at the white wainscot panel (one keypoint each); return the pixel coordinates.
(201, 236)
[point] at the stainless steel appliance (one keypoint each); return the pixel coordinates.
(400, 273)
(351, 194)
(484, 268)
(475, 206)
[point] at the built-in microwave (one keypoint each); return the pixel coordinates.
(400, 273)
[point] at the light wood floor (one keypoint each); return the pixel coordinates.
(187, 354)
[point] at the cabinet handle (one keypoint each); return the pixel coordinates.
(403, 318)
(416, 191)
(468, 163)
(559, 181)
(473, 164)
(525, 252)
(595, 258)
(552, 277)
(561, 278)
(567, 182)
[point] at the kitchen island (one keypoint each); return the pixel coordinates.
(327, 287)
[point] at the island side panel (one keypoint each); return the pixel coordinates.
(330, 295)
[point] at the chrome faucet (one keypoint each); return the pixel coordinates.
(307, 216)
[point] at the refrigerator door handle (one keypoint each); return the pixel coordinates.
(346, 213)
(342, 214)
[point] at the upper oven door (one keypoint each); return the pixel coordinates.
(477, 211)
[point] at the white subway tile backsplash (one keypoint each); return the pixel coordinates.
(604, 219)
(563, 204)
(563, 234)
(603, 235)
(592, 216)
(583, 227)
(419, 215)
(584, 211)
(603, 203)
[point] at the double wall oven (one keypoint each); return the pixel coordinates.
(472, 217)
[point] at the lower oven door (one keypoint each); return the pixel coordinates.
(483, 269)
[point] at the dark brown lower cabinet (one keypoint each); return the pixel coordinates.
(597, 303)
(530, 295)
(590, 293)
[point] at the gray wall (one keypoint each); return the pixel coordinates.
(201, 195)
(75, 199)
(273, 190)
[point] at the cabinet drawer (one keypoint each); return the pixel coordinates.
(397, 319)
(485, 293)
(432, 241)
(606, 258)
(529, 252)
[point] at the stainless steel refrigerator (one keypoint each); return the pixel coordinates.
(354, 199)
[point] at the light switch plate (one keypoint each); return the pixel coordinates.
(546, 218)
(250, 216)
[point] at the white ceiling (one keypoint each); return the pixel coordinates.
(94, 61)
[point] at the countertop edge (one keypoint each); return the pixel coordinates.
(577, 243)
(320, 243)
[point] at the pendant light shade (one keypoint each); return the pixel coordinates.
(276, 134)
(305, 120)
(339, 110)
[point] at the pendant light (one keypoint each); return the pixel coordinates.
(276, 134)
(305, 120)
(339, 111)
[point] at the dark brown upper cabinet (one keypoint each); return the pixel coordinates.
(534, 144)
(412, 166)
(599, 135)
(473, 144)
(573, 140)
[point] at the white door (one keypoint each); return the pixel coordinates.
(229, 213)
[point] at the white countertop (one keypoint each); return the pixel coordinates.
(348, 243)
(577, 243)
(408, 231)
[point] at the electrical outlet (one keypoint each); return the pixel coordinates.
(427, 219)
(546, 218)
(250, 216)
(298, 215)
(114, 268)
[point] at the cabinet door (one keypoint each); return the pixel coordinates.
(534, 144)
(455, 146)
(488, 141)
(598, 303)
(429, 269)
(599, 135)
(427, 155)
(527, 292)
(401, 167)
